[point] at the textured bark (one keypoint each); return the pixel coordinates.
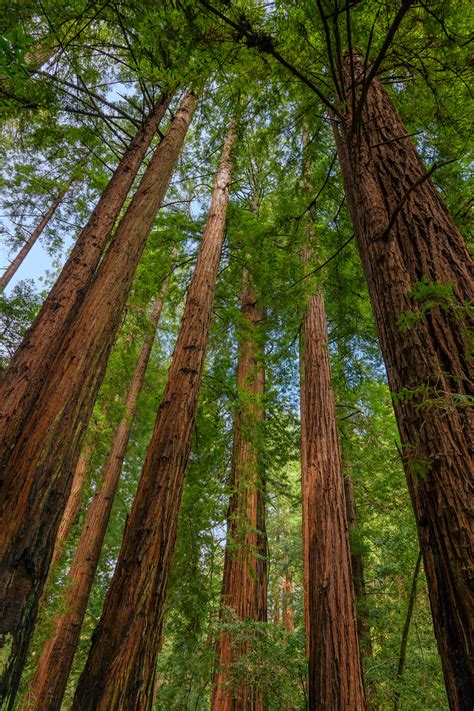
(406, 630)
(335, 676)
(31, 364)
(49, 683)
(72, 509)
(16, 263)
(244, 586)
(405, 236)
(120, 670)
(38, 473)
(358, 578)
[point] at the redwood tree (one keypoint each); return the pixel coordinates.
(49, 683)
(120, 670)
(335, 674)
(418, 273)
(30, 366)
(244, 587)
(38, 470)
(17, 261)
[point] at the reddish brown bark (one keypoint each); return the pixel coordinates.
(358, 578)
(287, 595)
(38, 473)
(120, 670)
(49, 683)
(31, 364)
(72, 509)
(16, 263)
(244, 586)
(405, 236)
(335, 676)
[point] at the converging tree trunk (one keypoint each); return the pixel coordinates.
(38, 472)
(72, 508)
(47, 689)
(120, 670)
(31, 364)
(244, 587)
(18, 260)
(335, 675)
(418, 273)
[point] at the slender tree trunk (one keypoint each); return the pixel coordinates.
(72, 509)
(406, 630)
(287, 595)
(120, 670)
(31, 364)
(47, 689)
(244, 587)
(358, 578)
(16, 263)
(37, 476)
(409, 245)
(335, 675)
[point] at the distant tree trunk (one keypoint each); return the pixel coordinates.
(358, 578)
(244, 586)
(287, 595)
(38, 473)
(49, 683)
(406, 630)
(72, 508)
(409, 247)
(16, 263)
(335, 675)
(120, 670)
(31, 364)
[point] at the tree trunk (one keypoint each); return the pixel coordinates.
(32, 362)
(38, 473)
(406, 630)
(72, 509)
(335, 676)
(120, 670)
(358, 578)
(16, 263)
(244, 586)
(287, 595)
(409, 248)
(49, 683)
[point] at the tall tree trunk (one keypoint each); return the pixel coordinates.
(72, 508)
(49, 683)
(120, 670)
(38, 473)
(16, 263)
(287, 595)
(335, 675)
(358, 578)
(31, 364)
(409, 247)
(244, 586)
(406, 630)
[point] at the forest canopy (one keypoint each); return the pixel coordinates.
(236, 355)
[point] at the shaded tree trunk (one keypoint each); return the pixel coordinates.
(16, 263)
(120, 670)
(358, 578)
(409, 246)
(335, 675)
(287, 595)
(72, 509)
(38, 473)
(244, 587)
(31, 364)
(406, 630)
(49, 683)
